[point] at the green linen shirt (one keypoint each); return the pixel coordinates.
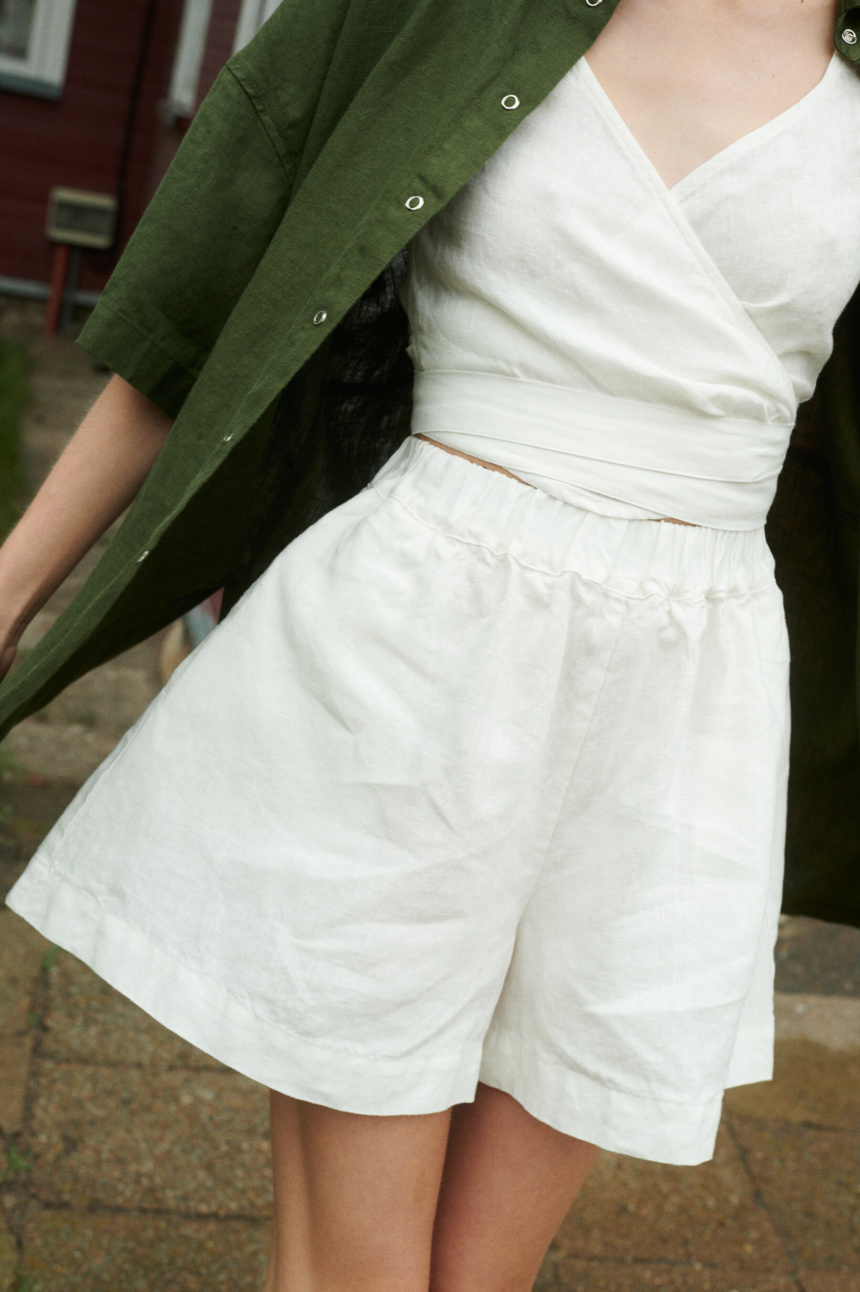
(254, 304)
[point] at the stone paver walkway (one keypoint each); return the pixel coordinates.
(132, 1161)
(136, 1162)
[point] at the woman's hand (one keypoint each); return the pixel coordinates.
(96, 477)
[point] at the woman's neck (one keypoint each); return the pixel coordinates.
(690, 77)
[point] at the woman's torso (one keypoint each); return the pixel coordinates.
(567, 276)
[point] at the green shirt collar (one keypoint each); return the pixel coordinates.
(846, 38)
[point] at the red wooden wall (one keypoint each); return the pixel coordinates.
(78, 140)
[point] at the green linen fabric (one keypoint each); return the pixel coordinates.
(255, 304)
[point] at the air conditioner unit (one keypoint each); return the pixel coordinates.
(81, 219)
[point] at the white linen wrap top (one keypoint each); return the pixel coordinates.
(638, 350)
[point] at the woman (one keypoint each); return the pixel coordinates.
(476, 799)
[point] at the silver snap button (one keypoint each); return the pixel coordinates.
(320, 317)
(415, 203)
(849, 36)
(228, 438)
(143, 556)
(510, 102)
(592, 4)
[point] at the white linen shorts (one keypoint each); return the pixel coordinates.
(470, 785)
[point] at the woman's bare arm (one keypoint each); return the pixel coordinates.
(96, 477)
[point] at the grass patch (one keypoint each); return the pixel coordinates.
(50, 958)
(9, 766)
(14, 396)
(17, 1162)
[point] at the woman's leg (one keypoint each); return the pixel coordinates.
(509, 1180)
(355, 1199)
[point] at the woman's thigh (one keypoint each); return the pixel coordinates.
(368, 1203)
(508, 1183)
(355, 1198)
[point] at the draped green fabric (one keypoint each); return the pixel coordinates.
(256, 304)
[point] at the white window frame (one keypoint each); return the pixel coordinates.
(252, 15)
(182, 96)
(43, 71)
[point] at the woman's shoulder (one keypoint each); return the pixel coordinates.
(296, 30)
(331, 48)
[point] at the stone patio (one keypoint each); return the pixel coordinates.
(135, 1161)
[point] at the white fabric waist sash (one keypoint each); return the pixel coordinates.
(714, 471)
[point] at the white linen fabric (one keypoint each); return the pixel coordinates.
(472, 783)
(636, 349)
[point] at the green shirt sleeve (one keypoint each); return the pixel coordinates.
(194, 251)
(205, 232)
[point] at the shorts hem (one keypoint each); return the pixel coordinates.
(201, 1012)
(658, 1130)
(752, 1058)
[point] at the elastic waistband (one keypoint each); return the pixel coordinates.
(635, 558)
(724, 468)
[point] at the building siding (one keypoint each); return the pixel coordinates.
(78, 141)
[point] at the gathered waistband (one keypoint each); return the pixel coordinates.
(635, 558)
(714, 471)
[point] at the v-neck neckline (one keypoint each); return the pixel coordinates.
(718, 159)
(673, 208)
